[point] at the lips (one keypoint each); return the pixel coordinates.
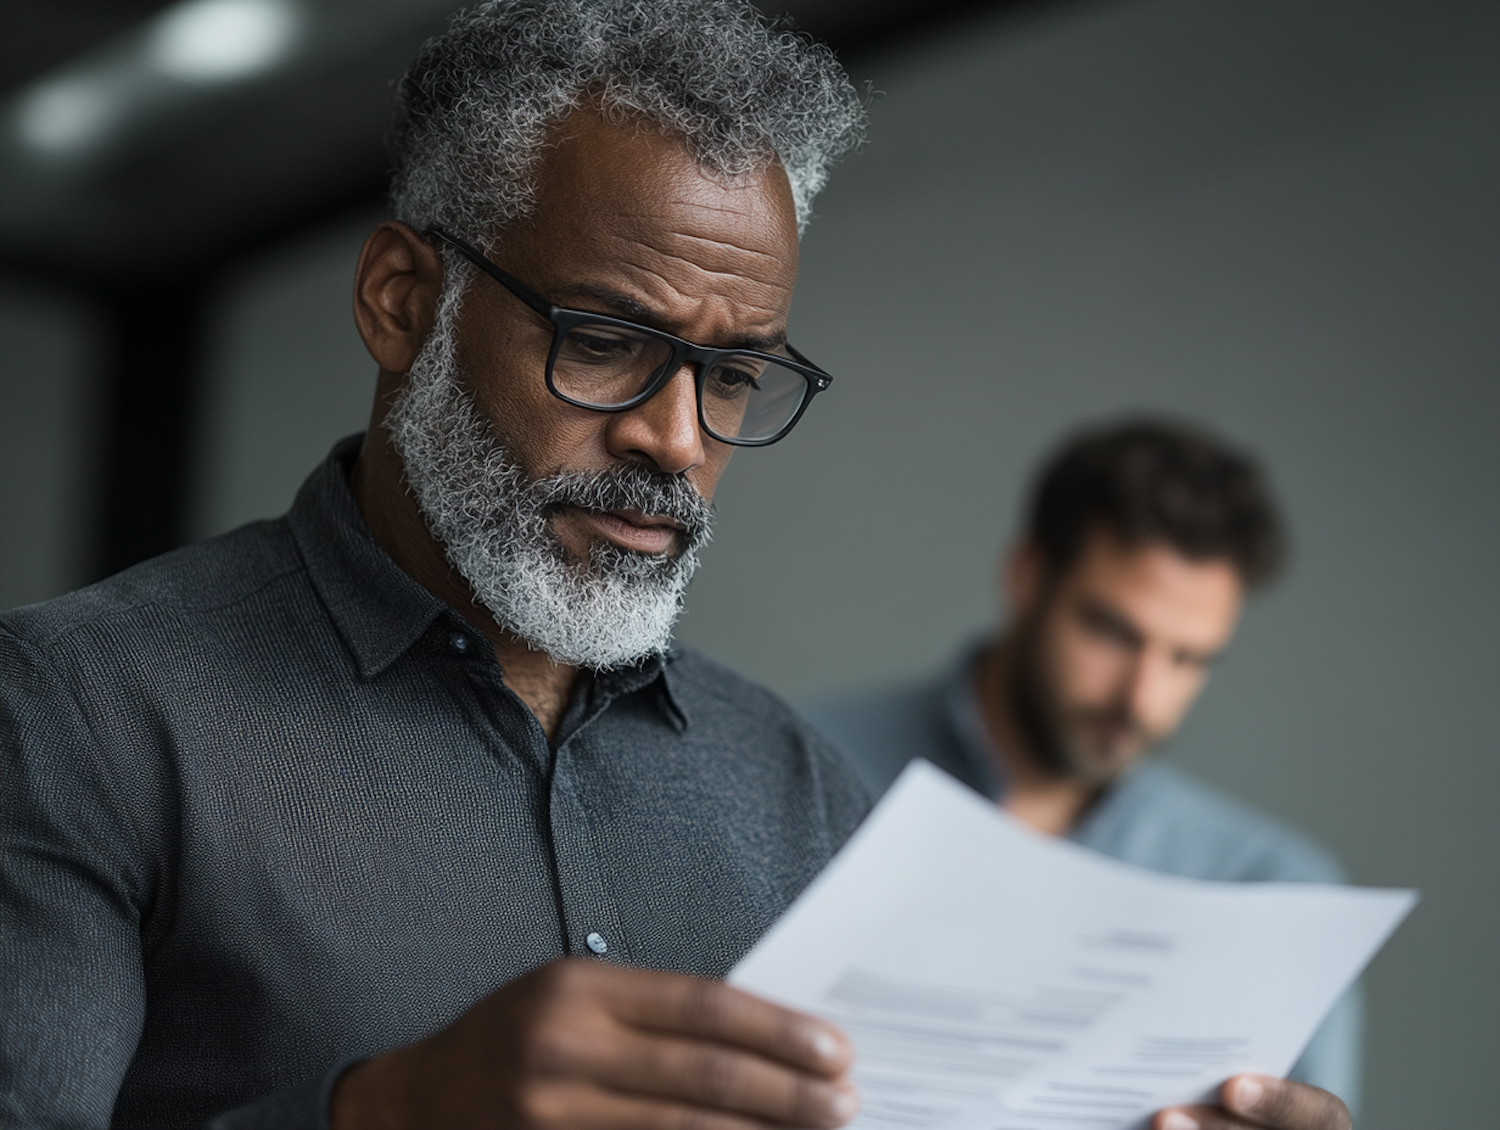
(631, 529)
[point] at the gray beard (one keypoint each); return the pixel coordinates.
(495, 523)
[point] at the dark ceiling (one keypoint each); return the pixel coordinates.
(38, 36)
(248, 166)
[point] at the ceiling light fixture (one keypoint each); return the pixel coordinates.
(222, 40)
(66, 114)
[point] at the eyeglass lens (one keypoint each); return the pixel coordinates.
(744, 397)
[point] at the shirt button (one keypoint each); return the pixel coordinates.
(458, 642)
(597, 943)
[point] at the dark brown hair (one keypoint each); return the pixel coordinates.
(1148, 480)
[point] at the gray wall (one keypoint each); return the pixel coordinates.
(288, 376)
(49, 399)
(1278, 216)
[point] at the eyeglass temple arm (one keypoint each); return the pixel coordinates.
(515, 286)
(824, 378)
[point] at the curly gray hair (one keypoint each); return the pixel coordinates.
(474, 108)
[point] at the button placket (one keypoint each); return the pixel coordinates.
(591, 916)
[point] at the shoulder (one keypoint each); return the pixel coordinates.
(209, 576)
(92, 683)
(127, 652)
(1163, 818)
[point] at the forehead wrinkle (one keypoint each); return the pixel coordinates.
(748, 339)
(738, 247)
(715, 241)
(775, 313)
(711, 196)
(773, 261)
(752, 216)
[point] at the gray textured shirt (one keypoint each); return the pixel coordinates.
(1155, 816)
(266, 806)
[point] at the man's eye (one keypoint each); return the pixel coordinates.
(730, 381)
(593, 345)
(1105, 627)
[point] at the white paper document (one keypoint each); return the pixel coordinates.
(995, 979)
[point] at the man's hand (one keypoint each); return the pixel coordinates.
(579, 1044)
(1259, 1101)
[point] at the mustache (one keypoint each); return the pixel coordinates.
(630, 487)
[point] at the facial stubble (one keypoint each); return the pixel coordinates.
(1054, 729)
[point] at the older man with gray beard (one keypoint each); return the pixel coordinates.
(401, 810)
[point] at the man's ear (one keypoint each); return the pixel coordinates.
(1023, 575)
(396, 289)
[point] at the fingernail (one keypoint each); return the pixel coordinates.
(1248, 1093)
(825, 1045)
(845, 1105)
(1176, 1120)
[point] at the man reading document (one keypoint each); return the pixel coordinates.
(402, 810)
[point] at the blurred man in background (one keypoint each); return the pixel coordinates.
(1141, 543)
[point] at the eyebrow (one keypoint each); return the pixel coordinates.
(621, 305)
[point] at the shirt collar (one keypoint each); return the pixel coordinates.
(596, 691)
(671, 692)
(378, 608)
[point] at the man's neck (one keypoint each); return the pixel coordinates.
(1035, 795)
(380, 490)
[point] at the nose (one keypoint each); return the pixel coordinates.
(1143, 686)
(663, 432)
(1151, 688)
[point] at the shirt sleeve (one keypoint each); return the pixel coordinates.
(72, 888)
(86, 828)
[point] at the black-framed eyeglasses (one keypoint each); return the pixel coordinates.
(745, 397)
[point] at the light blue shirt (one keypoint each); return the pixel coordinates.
(1155, 816)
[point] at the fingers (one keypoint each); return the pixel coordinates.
(1263, 1102)
(1281, 1103)
(1193, 1118)
(586, 1109)
(711, 1010)
(717, 1076)
(597, 1033)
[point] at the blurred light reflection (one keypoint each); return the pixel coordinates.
(222, 40)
